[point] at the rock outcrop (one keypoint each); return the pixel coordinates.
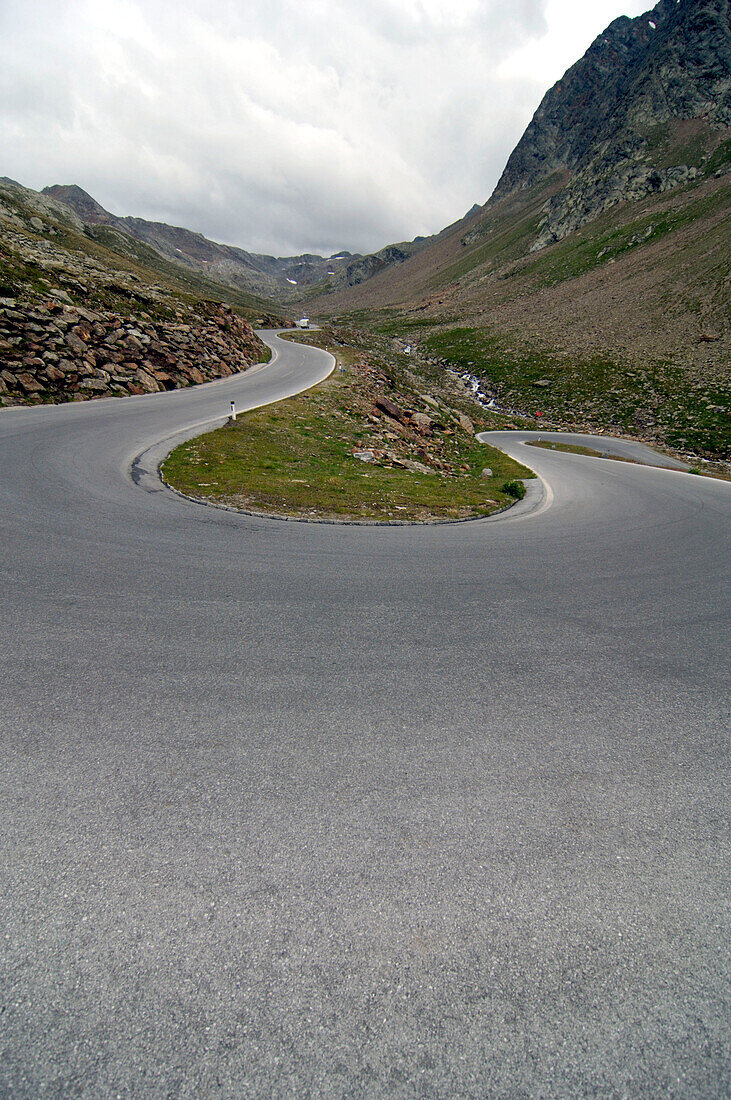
(642, 111)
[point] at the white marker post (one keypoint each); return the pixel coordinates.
(233, 411)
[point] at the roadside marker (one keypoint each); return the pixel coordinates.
(233, 411)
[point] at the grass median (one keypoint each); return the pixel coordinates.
(334, 453)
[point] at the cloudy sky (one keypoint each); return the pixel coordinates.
(280, 125)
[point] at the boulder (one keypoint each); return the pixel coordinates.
(422, 423)
(390, 408)
(148, 383)
(75, 343)
(29, 384)
(130, 342)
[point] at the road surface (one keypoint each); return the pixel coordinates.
(308, 810)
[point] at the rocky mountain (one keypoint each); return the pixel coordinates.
(630, 117)
(248, 271)
(593, 287)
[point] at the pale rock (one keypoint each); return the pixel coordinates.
(422, 423)
(29, 384)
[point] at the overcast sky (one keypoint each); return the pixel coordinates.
(282, 126)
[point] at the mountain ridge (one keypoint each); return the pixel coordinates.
(598, 125)
(599, 122)
(593, 287)
(231, 265)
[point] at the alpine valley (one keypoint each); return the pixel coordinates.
(591, 290)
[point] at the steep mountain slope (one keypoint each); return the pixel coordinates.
(594, 286)
(671, 62)
(636, 86)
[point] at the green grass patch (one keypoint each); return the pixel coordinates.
(577, 449)
(719, 159)
(567, 448)
(608, 239)
(687, 141)
(503, 245)
(406, 326)
(515, 489)
(656, 399)
(589, 452)
(296, 458)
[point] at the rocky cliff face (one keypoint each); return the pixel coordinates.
(361, 268)
(642, 111)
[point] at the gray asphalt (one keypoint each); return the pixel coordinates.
(311, 810)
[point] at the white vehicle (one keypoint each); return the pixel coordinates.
(304, 322)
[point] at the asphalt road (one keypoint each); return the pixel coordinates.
(312, 810)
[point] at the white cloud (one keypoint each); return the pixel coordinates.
(275, 125)
(570, 30)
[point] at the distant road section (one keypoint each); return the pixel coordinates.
(306, 810)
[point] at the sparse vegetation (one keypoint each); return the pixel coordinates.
(515, 489)
(39, 255)
(655, 401)
(332, 453)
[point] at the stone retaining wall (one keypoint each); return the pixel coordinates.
(57, 352)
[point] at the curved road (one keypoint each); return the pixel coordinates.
(313, 810)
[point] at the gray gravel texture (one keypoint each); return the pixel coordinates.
(313, 810)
